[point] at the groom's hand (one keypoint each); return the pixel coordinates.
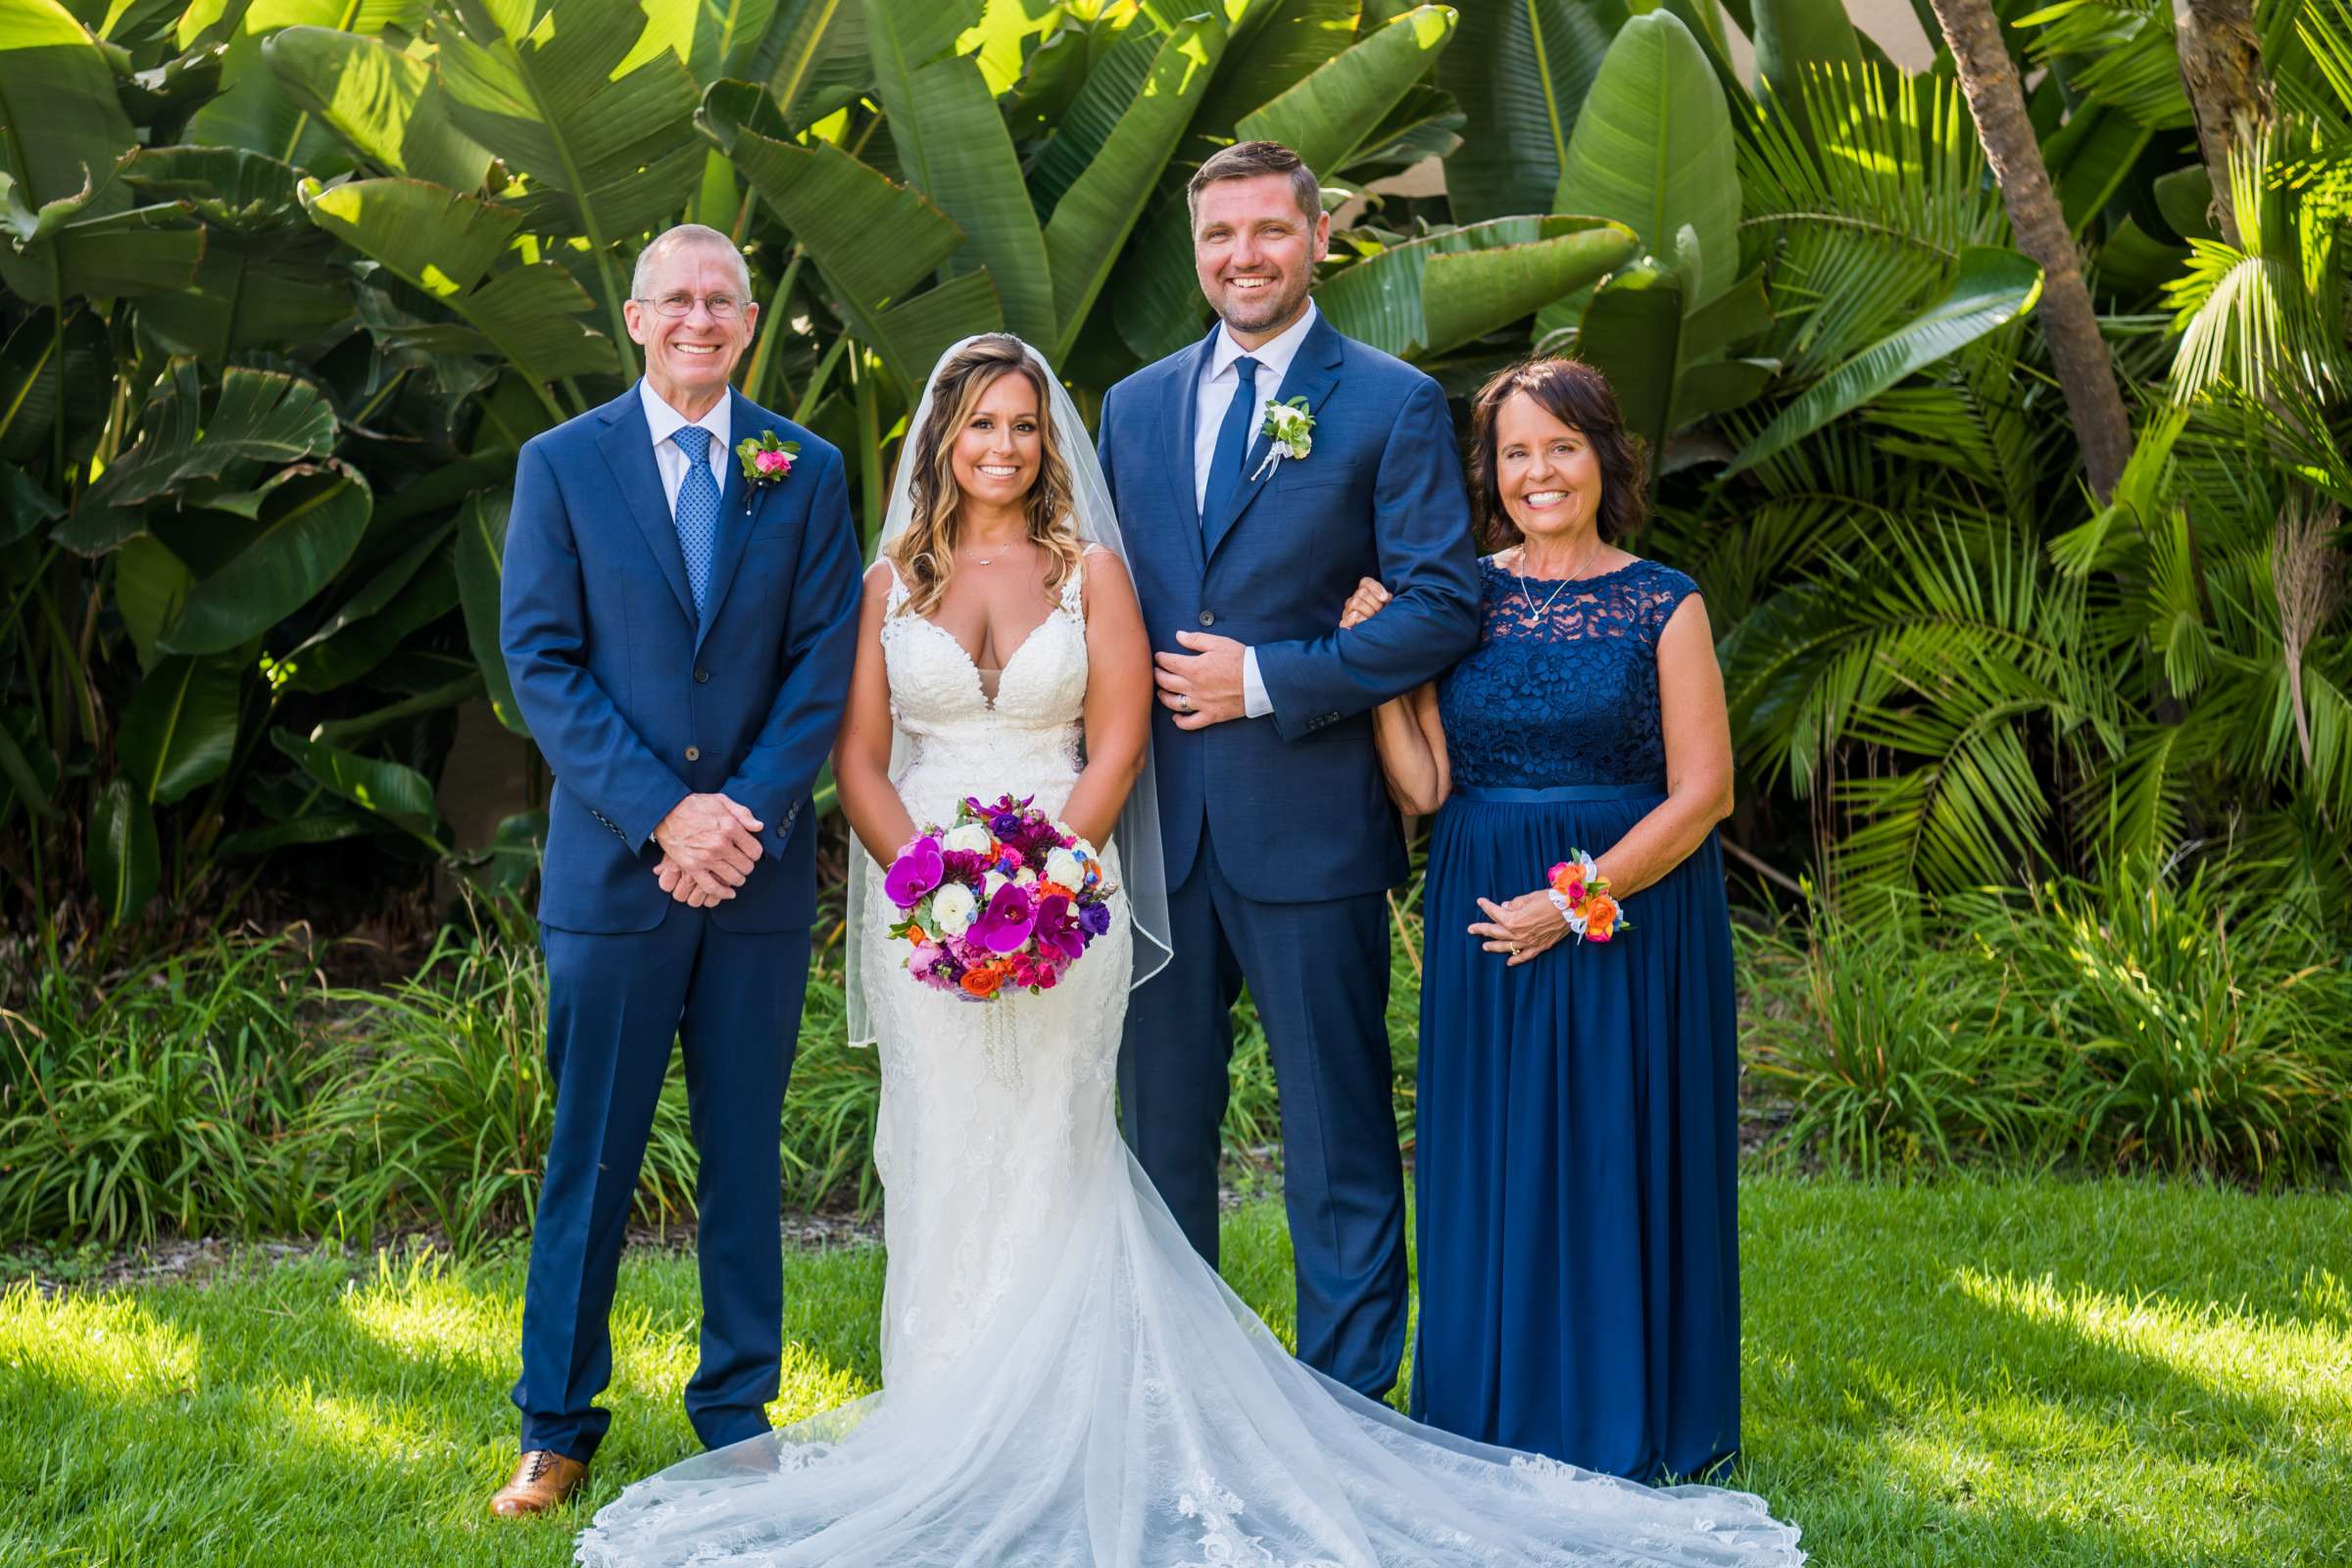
(712, 843)
(1204, 686)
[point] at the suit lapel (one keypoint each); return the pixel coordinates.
(737, 505)
(1313, 372)
(1180, 424)
(628, 446)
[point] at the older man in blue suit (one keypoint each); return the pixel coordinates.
(679, 633)
(1281, 842)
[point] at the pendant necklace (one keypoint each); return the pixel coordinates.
(1535, 616)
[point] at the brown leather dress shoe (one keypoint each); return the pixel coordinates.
(543, 1478)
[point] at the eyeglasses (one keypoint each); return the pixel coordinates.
(722, 307)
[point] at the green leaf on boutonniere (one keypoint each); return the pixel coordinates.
(765, 460)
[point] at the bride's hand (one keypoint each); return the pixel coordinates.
(1363, 604)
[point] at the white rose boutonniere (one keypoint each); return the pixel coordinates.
(1289, 431)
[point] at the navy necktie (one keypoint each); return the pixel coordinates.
(697, 517)
(1232, 444)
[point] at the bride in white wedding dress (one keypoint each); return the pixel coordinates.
(1064, 1381)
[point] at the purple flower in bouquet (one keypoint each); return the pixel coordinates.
(1006, 924)
(916, 872)
(964, 866)
(1094, 918)
(1057, 929)
(1006, 824)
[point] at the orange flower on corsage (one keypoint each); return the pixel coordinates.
(1581, 896)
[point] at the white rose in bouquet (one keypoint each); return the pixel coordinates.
(991, 882)
(972, 838)
(951, 910)
(1066, 868)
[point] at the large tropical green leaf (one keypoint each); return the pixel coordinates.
(1327, 114)
(1991, 288)
(430, 594)
(1094, 217)
(970, 167)
(67, 226)
(1797, 40)
(1520, 68)
(268, 279)
(258, 416)
(481, 563)
(902, 37)
(386, 104)
(812, 57)
(532, 313)
(254, 111)
(121, 855)
(609, 153)
(1272, 44)
(181, 730)
(874, 240)
(308, 528)
(392, 791)
(1654, 151)
(1631, 333)
(1440, 291)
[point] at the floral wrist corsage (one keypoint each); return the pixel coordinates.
(1581, 896)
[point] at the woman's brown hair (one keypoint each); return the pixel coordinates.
(1579, 397)
(925, 552)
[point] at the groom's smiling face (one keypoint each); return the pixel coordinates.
(1255, 252)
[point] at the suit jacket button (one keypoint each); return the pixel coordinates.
(701, 675)
(694, 754)
(1209, 618)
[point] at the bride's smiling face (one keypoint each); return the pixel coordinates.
(999, 449)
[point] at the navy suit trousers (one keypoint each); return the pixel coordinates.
(1319, 975)
(616, 1001)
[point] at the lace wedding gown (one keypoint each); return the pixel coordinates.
(1065, 1382)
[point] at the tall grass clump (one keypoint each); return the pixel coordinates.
(170, 1098)
(1898, 1050)
(2137, 1022)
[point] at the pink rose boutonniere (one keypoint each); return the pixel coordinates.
(766, 459)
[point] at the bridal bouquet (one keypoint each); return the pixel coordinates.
(1007, 896)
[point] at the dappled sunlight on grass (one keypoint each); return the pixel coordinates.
(429, 1309)
(110, 1345)
(2284, 1367)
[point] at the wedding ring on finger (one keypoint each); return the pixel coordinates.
(1184, 703)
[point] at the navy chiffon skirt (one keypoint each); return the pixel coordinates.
(1576, 1170)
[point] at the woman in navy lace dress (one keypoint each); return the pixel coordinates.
(1575, 1166)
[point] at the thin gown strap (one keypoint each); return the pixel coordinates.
(1073, 587)
(897, 589)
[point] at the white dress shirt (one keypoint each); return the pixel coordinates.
(1219, 381)
(665, 421)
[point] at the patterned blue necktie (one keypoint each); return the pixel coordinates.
(698, 510)
(1232, 444)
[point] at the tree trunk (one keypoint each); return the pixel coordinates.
(2085, 372)
(2220, 68)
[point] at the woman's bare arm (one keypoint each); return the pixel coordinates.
(862, 756)
(1698, 756)
(1406, 733)
(1119, 699)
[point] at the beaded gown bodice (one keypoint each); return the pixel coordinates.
(1563, 685)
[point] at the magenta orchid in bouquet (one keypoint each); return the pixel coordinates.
(1004, 897)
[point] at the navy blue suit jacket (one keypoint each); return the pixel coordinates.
(634, 704)
(1294, 802)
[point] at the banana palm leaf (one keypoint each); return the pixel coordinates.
(481, 560)
(609, 153)
(530, 315)
(1326, 115)
(1093, 219)
(386, 104)
(181, 730)
(1654, 151)
(1438, 292)
(391, 791)
(121, 855)
(1521, 71)
(309, 526)
(258, 416)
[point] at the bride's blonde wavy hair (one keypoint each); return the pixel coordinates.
(925, 551)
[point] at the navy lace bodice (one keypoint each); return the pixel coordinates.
(1563, 690)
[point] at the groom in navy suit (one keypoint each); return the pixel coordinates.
(679, 638)
(1281, 842)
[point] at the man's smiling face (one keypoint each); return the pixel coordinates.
(1255, 252)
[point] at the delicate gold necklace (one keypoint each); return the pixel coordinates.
(989, 561)
(1535, 616)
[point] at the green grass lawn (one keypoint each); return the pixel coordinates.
(1982, 1373)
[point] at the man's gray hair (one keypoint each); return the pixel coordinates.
(684, 234)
